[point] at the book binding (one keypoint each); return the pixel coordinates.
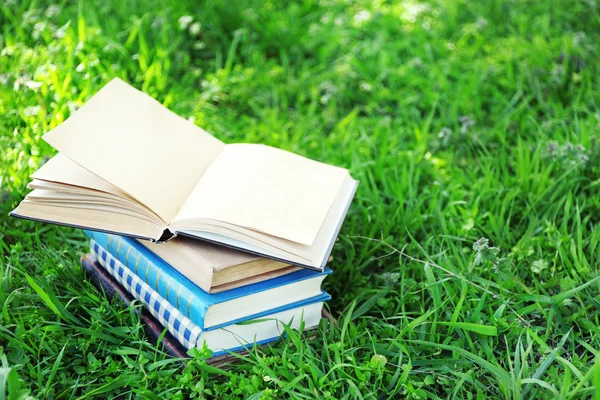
(186, 332)
(106, 283)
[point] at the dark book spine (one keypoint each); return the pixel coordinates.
(105, 282)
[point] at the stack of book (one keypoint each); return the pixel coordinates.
(222, 243)
(210, 294)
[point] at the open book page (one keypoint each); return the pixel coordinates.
(103, 218)
(90, 200)
(130, 140)
(58, 187)
(194, 253)
(314, 256)
(61, 169)
(60, 172)
(209, 265)
(189, 260)
(265, 189)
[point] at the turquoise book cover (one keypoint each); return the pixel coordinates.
(183, 294)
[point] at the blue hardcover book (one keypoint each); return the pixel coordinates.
(213, 310)
(229, 338)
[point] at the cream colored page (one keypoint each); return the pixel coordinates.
(181, 254)
(63, 170)
(179, 251)
(195, 253)
(265, 189)
(192, 250)
(109, 219)
(264, 244)
(130, 140)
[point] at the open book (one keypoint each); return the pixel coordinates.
(128, 165)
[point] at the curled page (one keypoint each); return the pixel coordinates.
(136, 144)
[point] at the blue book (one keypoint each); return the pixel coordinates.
(213, 310)
(221, 340)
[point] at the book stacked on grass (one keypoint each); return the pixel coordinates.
(216, 303)
(128, 168)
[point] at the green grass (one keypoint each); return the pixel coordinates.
(462, 120)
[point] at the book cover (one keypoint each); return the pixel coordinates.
(181, 293)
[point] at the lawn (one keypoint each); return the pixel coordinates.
(468, 264)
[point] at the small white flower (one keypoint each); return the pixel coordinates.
(444, 132)
(157, 23)
(33, 85)
(62, 31)
(195, 28)
(361, 17)
(52, 11)
(416, 62)
(7, 51)
(32, 111)
(38, 28)
(21, 81)
(578, 38)
(366, 87)
(481, 23)
(31, 16)
(185, 21)
(466, 121)
(412, 9)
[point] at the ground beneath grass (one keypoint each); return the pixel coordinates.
(468, 264)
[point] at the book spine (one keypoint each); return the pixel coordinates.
(181, 327)
(106, 283)
(163, 279)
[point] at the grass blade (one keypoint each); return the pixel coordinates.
(477, 328)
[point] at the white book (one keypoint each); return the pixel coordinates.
(128, 165)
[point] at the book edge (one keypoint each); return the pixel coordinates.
(339, 226)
